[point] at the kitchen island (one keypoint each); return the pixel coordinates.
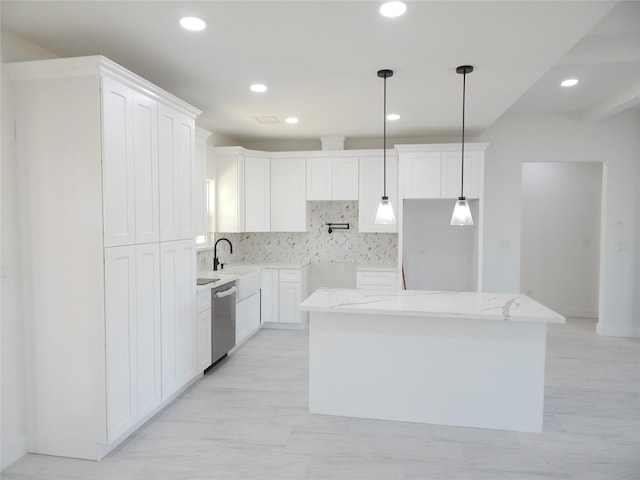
(450, 358)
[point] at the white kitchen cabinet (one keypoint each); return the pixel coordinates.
(433, 170)
(204, 320)
(247, 317)
(148, 329)
(118, 163)
(132, 279)
(85, 141)
(332, 178)
(288, 195)
(178, 313)
(257, 188)
(200, 217)
(420, 175)
(179, 178)
(121, 351)
(145, 156)
(372, 279)
(289, 299)
(283, 289)
(371, 191)
(269, 298)
(243, 191)
(452, 168)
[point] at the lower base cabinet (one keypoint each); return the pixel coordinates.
(204, 329)
(247, 317)
(283, 290)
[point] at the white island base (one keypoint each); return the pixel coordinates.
(374, 356)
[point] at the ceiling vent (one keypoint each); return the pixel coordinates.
(267, 119)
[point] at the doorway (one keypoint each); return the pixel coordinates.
(560, 246)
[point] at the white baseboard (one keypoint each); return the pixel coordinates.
(12, 451)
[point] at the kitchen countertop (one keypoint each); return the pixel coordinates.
(460, 305)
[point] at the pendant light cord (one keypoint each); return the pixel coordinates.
(384, 137)
(464, 81)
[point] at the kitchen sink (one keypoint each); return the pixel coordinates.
(204, 281)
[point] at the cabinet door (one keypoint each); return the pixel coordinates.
(269, 295)
(319, 178)
(345, 179)
(190, 178)
(179, 177)
(229, 191)
(253, 312)
(148, 328)
(168, 174)
(420, 175)
(120, 306)
(242, 327)
(257, 190)
(204, 339)
(200, 185)
(290, 296)
(145, 154)
(371, 190)
(451, 169)
(178, 304)
(118, 164)
(288, 195)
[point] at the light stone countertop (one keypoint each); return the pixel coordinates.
(461, 305)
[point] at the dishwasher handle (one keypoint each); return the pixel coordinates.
(225, 293)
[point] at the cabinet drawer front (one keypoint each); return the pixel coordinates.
(290, 276)
(204, 299)
(376, 279)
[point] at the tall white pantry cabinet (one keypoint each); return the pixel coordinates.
(110, 203)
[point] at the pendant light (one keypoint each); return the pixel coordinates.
(462, 212)
(385, 210)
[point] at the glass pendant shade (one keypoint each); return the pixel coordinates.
(461, 213)
(385, 214)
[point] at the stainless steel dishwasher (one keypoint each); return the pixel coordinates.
(223, 320)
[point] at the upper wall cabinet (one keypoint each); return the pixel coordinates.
(259, 192)
(332, 178)
(243, 191)
(372, 175)
(434, 170)
(288, 195)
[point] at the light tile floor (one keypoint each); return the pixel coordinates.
(248, 420)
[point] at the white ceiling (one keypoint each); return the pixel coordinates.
(320, 58)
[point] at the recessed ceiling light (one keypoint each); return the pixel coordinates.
(194, 24)
(393, 116)
(392, 9)
(569, 82)
(292, 120)
(258, 88)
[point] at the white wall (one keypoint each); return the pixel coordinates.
(436, 255)
(13, 428)
(517, 138)
(561, 235)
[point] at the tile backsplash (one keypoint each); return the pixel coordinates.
(315, 245)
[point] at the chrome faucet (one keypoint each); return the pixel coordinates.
(216, 262)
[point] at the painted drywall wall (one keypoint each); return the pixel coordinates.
(561, 235)
(13, 422)
(518, 138)
(436, 255)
